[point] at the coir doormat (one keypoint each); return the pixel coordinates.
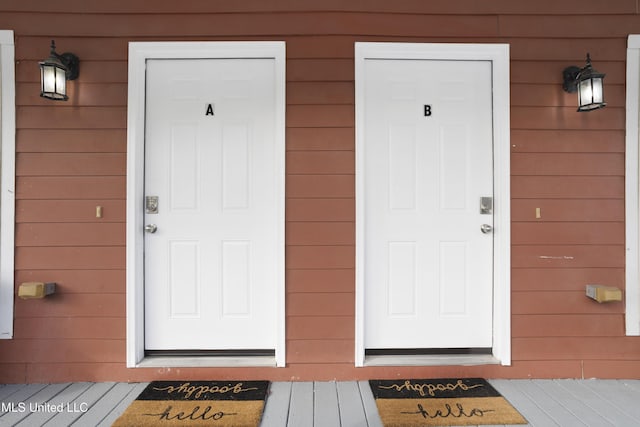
(197, 403)
(442, 402)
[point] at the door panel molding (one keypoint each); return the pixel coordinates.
(139, 53)
(498, 54)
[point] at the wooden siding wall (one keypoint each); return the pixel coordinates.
(72, 156)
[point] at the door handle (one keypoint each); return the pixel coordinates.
(486, 228)
(151, 228)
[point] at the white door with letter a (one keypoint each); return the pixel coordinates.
(213, 187)
(428, 204)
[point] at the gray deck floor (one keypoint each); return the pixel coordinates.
(331, 404)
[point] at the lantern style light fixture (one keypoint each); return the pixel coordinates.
(588, 83)
(54, 73)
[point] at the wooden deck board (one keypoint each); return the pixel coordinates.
(369, 404)
(111, 413)
(351, 409)
(34, 406)
(523, 403)
(9, 389)
(326, 412)
(579, 412)
(583, 390)
(66, 395)
(87, 399)
(276, 412)
(301, 405)
(337, 404)
(627, 401)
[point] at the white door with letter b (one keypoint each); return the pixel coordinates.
(428, 191)
(211, 205)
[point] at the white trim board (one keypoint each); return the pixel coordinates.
(7, 180)
(499, 55)
(632, 199)
(139, 53)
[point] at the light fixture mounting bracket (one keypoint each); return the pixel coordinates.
(569, 74)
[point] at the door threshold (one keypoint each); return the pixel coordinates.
(158, 361)
(430, 360)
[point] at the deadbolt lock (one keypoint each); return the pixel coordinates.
(486, 205)
(151, 204)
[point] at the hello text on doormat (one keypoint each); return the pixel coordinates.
(442, 402)
(197, 403)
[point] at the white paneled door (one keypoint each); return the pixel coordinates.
(428, 214)
(211, 189)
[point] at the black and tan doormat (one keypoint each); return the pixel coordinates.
(197, 403)
(441, 402)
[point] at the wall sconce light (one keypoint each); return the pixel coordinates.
(588, 83)
(54, 73)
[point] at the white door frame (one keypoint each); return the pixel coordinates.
(139, 53)
(498, 54)
(7, 180)
(632, 189)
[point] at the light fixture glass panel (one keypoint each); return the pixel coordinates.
(53, 82)
(585, 92)
(597, 91)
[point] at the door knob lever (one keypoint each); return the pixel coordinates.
(486, 228)
(151, 228)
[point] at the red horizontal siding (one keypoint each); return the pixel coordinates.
(70, 187)
(571, 7)
(319, 92)
(326, 210)
(321, 186)
(561, 302)
(562, 256)
(72, 328)
(338, 139)
(70, 211)
(568, 210)
(563, 141)
(258, 24)
(321, 162)
(71, 141)
(321, 327)
(563, 233)
(70, 258)
(538, 95)
(567, 187)
(67, 304)
(70, 164)
(320, 351)
(320, 233)
(564, 279)
(320, 116)
(568, 26)
(88, 94)
(320, 304)
(320, 257)
(78, 281)
(559, 164)
(71, 118)
(70, 234)
(568, 325)
(580, 348)
(35, 351)
(321, 280)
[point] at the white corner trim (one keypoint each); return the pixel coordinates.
(498, 54)
(7, 180)
(139, 53)
(632, 199)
